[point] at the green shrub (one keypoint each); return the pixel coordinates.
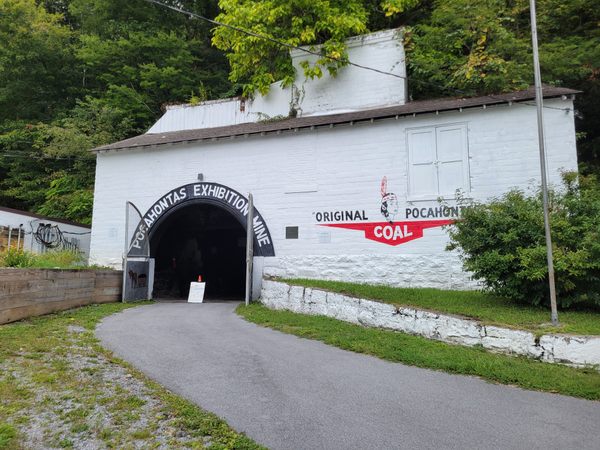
(502, 243)
(16, 258)
(63, 259)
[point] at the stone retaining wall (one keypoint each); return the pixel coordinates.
(574, 350)
(33, 292)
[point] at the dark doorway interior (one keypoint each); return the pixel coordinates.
(198, 240)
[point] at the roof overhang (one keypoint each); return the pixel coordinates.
(295, 124)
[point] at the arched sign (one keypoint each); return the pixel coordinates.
(208, 193)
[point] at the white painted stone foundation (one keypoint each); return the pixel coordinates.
(573, 350)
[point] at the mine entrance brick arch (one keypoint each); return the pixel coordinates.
(197, 194)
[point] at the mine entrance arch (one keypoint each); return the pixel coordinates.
(198, 228)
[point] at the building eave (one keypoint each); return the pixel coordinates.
(318, 121)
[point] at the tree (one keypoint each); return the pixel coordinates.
(467, 47)
(474, 47)
(37, 75)
(256, 63)
(84, 73)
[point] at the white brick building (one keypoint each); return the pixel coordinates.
(348, 190)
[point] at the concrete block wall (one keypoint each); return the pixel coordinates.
(295, 175)
(573, 350)
(32, 292)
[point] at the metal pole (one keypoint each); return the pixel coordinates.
(249, 248)
(124, 287)
(9, 236)
(539, 101)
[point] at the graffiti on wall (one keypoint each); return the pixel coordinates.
(52, 237)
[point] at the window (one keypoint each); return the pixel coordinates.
(438, 161)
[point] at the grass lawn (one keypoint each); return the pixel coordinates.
(487, 308)
(60, 389)
(421, 352)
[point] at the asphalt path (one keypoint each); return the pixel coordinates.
(287, 392)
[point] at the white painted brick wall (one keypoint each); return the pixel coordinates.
(382, 50)
(553, 348)
(339, 169)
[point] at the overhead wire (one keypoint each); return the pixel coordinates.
(53, 158)
(271, 39)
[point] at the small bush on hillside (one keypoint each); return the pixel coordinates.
(503, 243)
(63, 259)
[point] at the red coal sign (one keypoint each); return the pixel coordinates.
(395, 233)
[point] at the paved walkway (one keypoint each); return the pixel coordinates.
(292, 393)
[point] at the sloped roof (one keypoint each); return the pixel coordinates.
(39, 216)
(292, 124)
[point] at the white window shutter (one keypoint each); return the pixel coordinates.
(452, 159)
(422, 157)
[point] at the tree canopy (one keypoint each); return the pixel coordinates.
(75, 74)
